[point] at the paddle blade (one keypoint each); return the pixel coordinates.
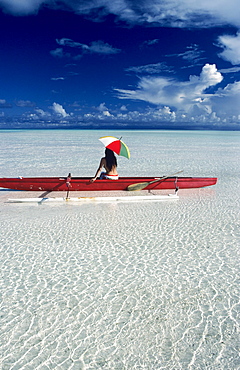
(143, 185)
(138, 186)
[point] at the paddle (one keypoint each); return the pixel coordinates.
(68, 184)
(142, 185)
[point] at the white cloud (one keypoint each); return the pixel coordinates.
(176, 13)
(104, 110)
(57, 78)
(102, 107)
(190, 100)
(106, 113)
(184, 13)
(100, 47)
(151, 68)
(159, 117)
(226, 101)
(230, 70)
(68, 42)
(25, 103)
(21, 7)
(5, 104)
(150, 42)
(153, 117)
(192, 54)
(97, 47)
(58, 109)
(231, 46)
(170, 92)
(41, 113)
(59, 53)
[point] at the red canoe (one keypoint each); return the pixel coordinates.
(84, 184)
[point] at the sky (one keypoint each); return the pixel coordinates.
(120, 64)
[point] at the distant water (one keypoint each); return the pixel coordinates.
(124, 285)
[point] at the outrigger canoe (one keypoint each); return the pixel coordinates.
(123, 183)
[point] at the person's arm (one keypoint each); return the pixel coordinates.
(99, 170)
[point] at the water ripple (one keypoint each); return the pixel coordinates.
(121, 286)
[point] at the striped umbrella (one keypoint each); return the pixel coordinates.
(116, 145)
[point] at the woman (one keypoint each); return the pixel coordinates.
(109, 162)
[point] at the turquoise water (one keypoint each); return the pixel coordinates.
(122, 285)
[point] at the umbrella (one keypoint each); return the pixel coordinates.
(116, 145)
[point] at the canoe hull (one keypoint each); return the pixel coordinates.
(84, 184)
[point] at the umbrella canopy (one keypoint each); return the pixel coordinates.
(116, 145)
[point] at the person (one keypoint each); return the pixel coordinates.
(109, 163)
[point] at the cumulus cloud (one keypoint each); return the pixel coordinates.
(231, 46)
(226, 101)
(184, 13)
(104, 110)
(59, 110)
(189, 100)
(41, 113)
(158, 117)
(170, 92)
(151, 117)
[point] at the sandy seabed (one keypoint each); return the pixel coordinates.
(121, 286)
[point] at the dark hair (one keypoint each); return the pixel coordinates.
(111, 160)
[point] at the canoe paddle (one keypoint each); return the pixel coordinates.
(143, 185)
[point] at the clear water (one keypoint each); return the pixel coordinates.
(123, 285)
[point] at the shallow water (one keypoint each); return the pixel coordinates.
(138, 285)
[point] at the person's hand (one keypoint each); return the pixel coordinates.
(93, 179)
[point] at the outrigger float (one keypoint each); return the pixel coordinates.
(50, 184)
(107, 199)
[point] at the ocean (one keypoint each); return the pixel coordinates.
(140, 285)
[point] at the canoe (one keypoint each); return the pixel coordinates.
(84, 184)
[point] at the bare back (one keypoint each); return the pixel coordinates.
(109, 171)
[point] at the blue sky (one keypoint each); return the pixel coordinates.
(105, 63)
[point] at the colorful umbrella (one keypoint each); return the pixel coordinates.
(116, 145)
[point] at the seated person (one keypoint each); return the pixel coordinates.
(109, 163)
